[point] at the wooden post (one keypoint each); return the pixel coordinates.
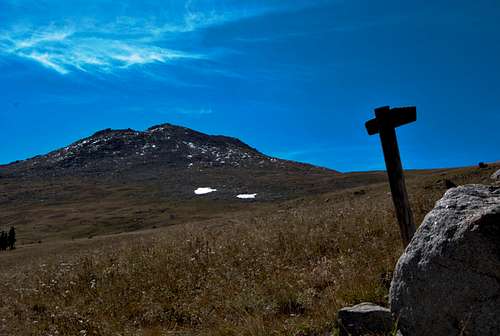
(385, 123)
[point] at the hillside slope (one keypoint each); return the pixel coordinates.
(126, 180)
(273, 269)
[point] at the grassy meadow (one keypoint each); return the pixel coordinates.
(282, 270)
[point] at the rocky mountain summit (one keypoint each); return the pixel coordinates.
(164, 145)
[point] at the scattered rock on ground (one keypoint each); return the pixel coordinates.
(448, 280)
(364, 319)
(496, 175)
(441, 184)
(449, 184)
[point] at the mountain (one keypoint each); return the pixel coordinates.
(126, 180)
(163, 146)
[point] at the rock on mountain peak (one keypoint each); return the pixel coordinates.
(164, 145)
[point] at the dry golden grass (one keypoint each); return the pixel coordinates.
(283, 272)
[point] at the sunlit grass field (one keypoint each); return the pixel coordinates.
(282, 271)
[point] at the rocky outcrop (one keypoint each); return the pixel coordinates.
(364, 319)
(496, 175)
(483, 165)
(162, 147)
(448, 280)
(167, 145)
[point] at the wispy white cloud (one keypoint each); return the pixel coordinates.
(194, 111)
(304, 153)
(98, 43)
(105, 37)
(169, 109)
(46, 60)
(91, 44)
(66, 49)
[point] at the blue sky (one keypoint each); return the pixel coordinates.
(296, 79)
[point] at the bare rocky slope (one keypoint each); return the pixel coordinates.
(111, 151)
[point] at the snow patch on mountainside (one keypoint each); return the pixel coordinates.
(204, 190)
(246, 196)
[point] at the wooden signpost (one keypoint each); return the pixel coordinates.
(385, 123)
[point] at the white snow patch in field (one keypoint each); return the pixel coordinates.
(202, 191)
(246, 196)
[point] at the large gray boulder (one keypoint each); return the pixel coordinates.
(448, 280)
(496, 175)
(364, 319)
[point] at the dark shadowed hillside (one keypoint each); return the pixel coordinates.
(111, 152)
